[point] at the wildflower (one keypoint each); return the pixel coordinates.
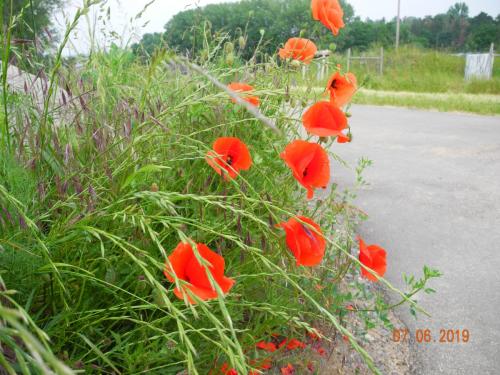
(185, 266)
(292, 344)
(299, 49)
(267, 346)
(288, 370)
(321, 351)
(306, 242)
(329, 13)
(241, 88)
(309, 163)
(261, 364)
(341, 88)
(324, 119)
(229, 156)
(225, 370)
(313, 336)
(310, 366)
(373, 257)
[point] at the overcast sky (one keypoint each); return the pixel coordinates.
(123, 12)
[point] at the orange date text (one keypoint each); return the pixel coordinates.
(426, 336)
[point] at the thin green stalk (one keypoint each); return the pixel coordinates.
(5, 67)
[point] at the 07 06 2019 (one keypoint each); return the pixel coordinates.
(425, 336)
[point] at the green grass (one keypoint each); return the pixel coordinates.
(416, 78)
(416, 70)
(444, 102)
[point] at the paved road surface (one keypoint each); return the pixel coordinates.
(434, 199)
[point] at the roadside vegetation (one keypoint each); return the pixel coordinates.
(114, 187)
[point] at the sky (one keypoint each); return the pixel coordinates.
(128, 29)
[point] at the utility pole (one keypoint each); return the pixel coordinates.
(398, 24)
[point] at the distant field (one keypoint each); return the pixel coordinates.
(417, 78)
(414, 70)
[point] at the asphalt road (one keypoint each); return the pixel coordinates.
(434, 199)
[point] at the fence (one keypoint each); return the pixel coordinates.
(365, 59)
(480, 65)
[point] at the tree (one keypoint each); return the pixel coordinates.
(189, 31)
(484, 31)
(33, 17)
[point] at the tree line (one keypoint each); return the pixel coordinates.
(268, 23)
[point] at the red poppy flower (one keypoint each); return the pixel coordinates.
(314, 336)
(267, 346)
(229, 156)
(329, 13)
(185, 266)
(288, 370)
(292, 344)
(324, 119)
(321, 351)
(260, 364)
(299, 49)
(243, 87)
(307, 246)
(342, 88)
(373, 257)
(309, 163)
(225, 370)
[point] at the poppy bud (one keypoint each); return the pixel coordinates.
(295, 64)
(110, 277)
(154, 187)
(229, 47)
(230, 59)
(140, 286)
(242, 42)
(204, 55)
(159, 299)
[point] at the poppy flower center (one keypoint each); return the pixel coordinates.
(334, 84)
(229, 160)
(304, 174)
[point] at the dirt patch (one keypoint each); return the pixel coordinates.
(390, 357)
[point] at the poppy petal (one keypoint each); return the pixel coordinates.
(179, 258)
